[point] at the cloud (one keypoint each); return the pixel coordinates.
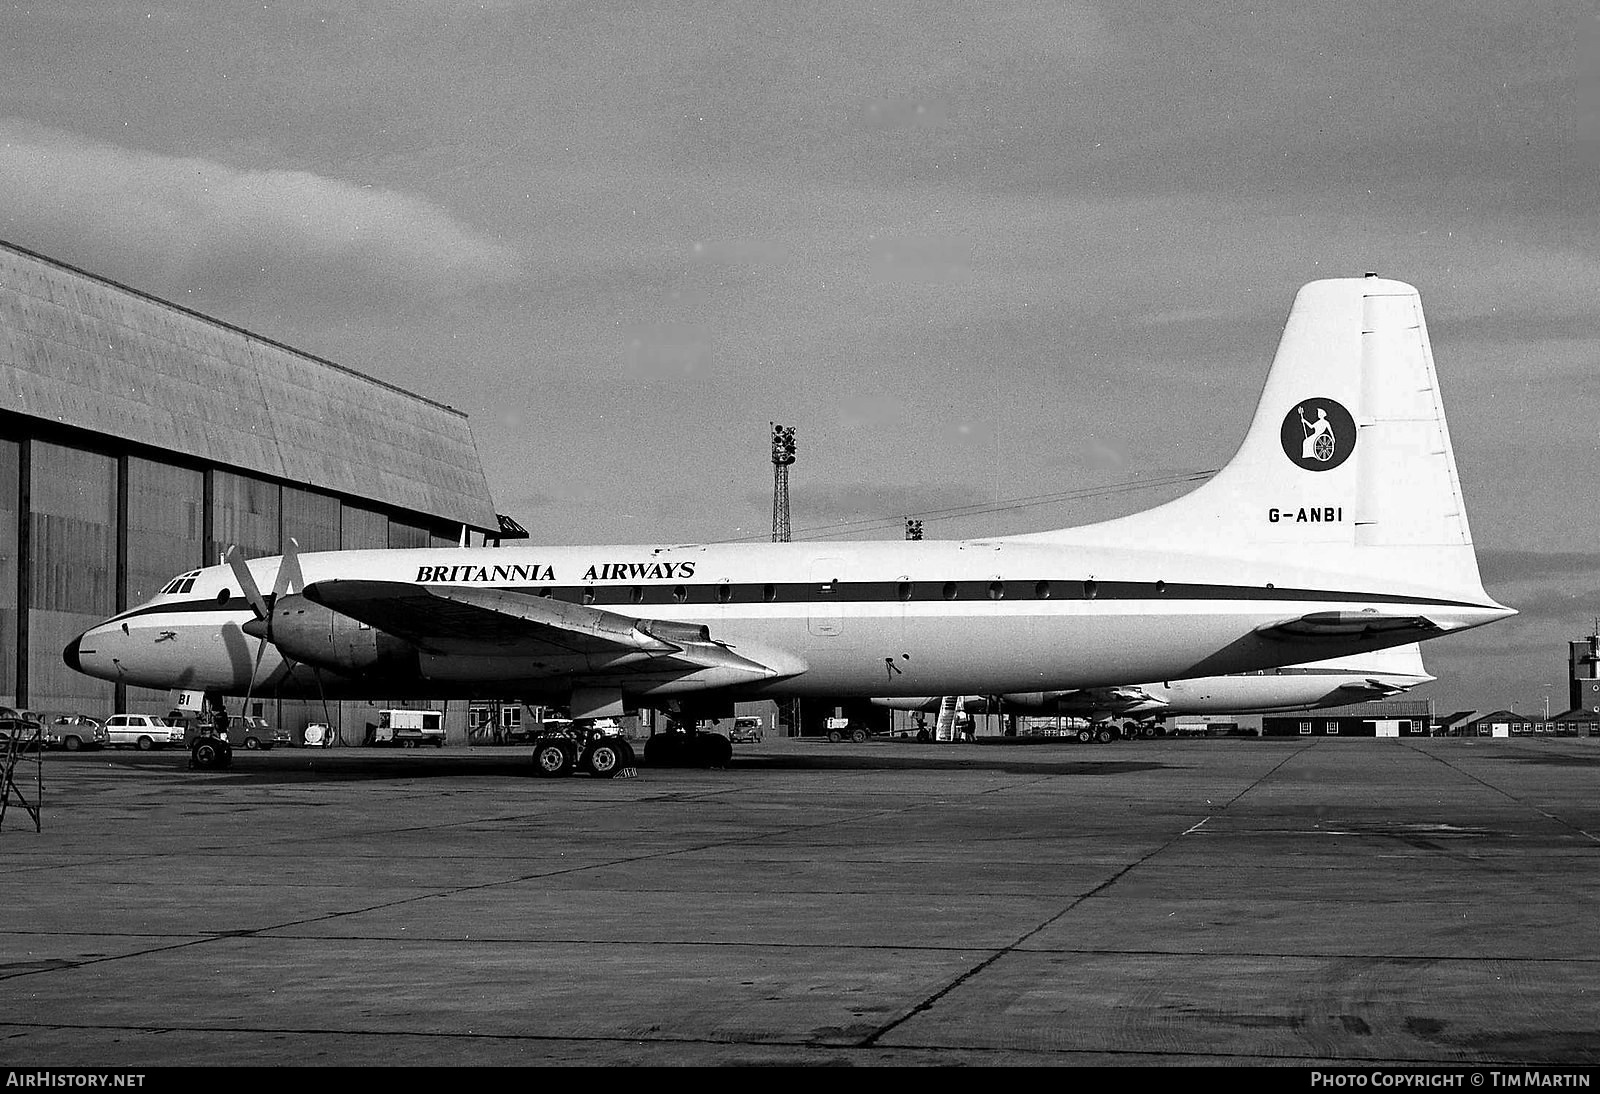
(176, 225)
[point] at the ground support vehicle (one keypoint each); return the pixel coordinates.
(407, 728)
(601, 751)
(840, 729)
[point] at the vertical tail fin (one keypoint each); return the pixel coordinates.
(1347, 465)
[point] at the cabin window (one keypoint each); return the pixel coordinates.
(224, 596)
(997, 590)
(1090, 589)
(903, 590)
(1161, 588)
(949, 590)
(680, 594)
(1042, 590)
(637, 595)
(588, 594)
(724, 593)
(769, 593)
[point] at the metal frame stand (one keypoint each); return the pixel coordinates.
(16, 751)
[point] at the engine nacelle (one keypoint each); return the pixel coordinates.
(325, 638)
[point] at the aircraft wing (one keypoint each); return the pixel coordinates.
(449, 620)
(1351, 624)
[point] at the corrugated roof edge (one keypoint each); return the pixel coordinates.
(203, 317)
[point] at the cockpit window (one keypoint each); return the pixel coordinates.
(182, 583)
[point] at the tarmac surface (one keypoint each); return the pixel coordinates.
(1303, 902)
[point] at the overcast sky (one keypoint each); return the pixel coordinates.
(974, 253)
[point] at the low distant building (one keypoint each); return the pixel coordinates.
(1386, 718)
(1508, 723)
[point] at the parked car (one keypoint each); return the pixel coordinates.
(22, 724)
(142, 731)
(248, 731)
(746, 731)
(73, 731)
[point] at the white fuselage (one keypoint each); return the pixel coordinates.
(846, 619)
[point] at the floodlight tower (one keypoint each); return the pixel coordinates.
(782, 457)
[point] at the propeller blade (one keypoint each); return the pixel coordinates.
(289, 579)
(261, 648)
(247, 583)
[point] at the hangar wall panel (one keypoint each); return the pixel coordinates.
(10, 513)
(164, 525)
(87, 353)
(72, 573)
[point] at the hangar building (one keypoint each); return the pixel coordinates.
(138, 439)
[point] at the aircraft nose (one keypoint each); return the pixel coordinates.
(70, 654)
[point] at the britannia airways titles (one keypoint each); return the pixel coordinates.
(535, 571)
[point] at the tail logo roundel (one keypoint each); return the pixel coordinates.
(1318, 434)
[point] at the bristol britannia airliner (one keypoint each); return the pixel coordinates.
(1337, 528)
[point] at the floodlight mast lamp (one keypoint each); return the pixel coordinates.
(782, 457)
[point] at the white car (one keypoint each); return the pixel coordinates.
(142, 731)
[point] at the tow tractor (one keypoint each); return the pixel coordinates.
(601, 750)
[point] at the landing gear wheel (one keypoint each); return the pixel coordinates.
(210, 753)
(664, 749)
(605, 759)
(713, 750)
(552, 759)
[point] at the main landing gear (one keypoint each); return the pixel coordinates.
(684, 744)
(583, 748)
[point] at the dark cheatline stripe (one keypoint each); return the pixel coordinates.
(701, 594)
